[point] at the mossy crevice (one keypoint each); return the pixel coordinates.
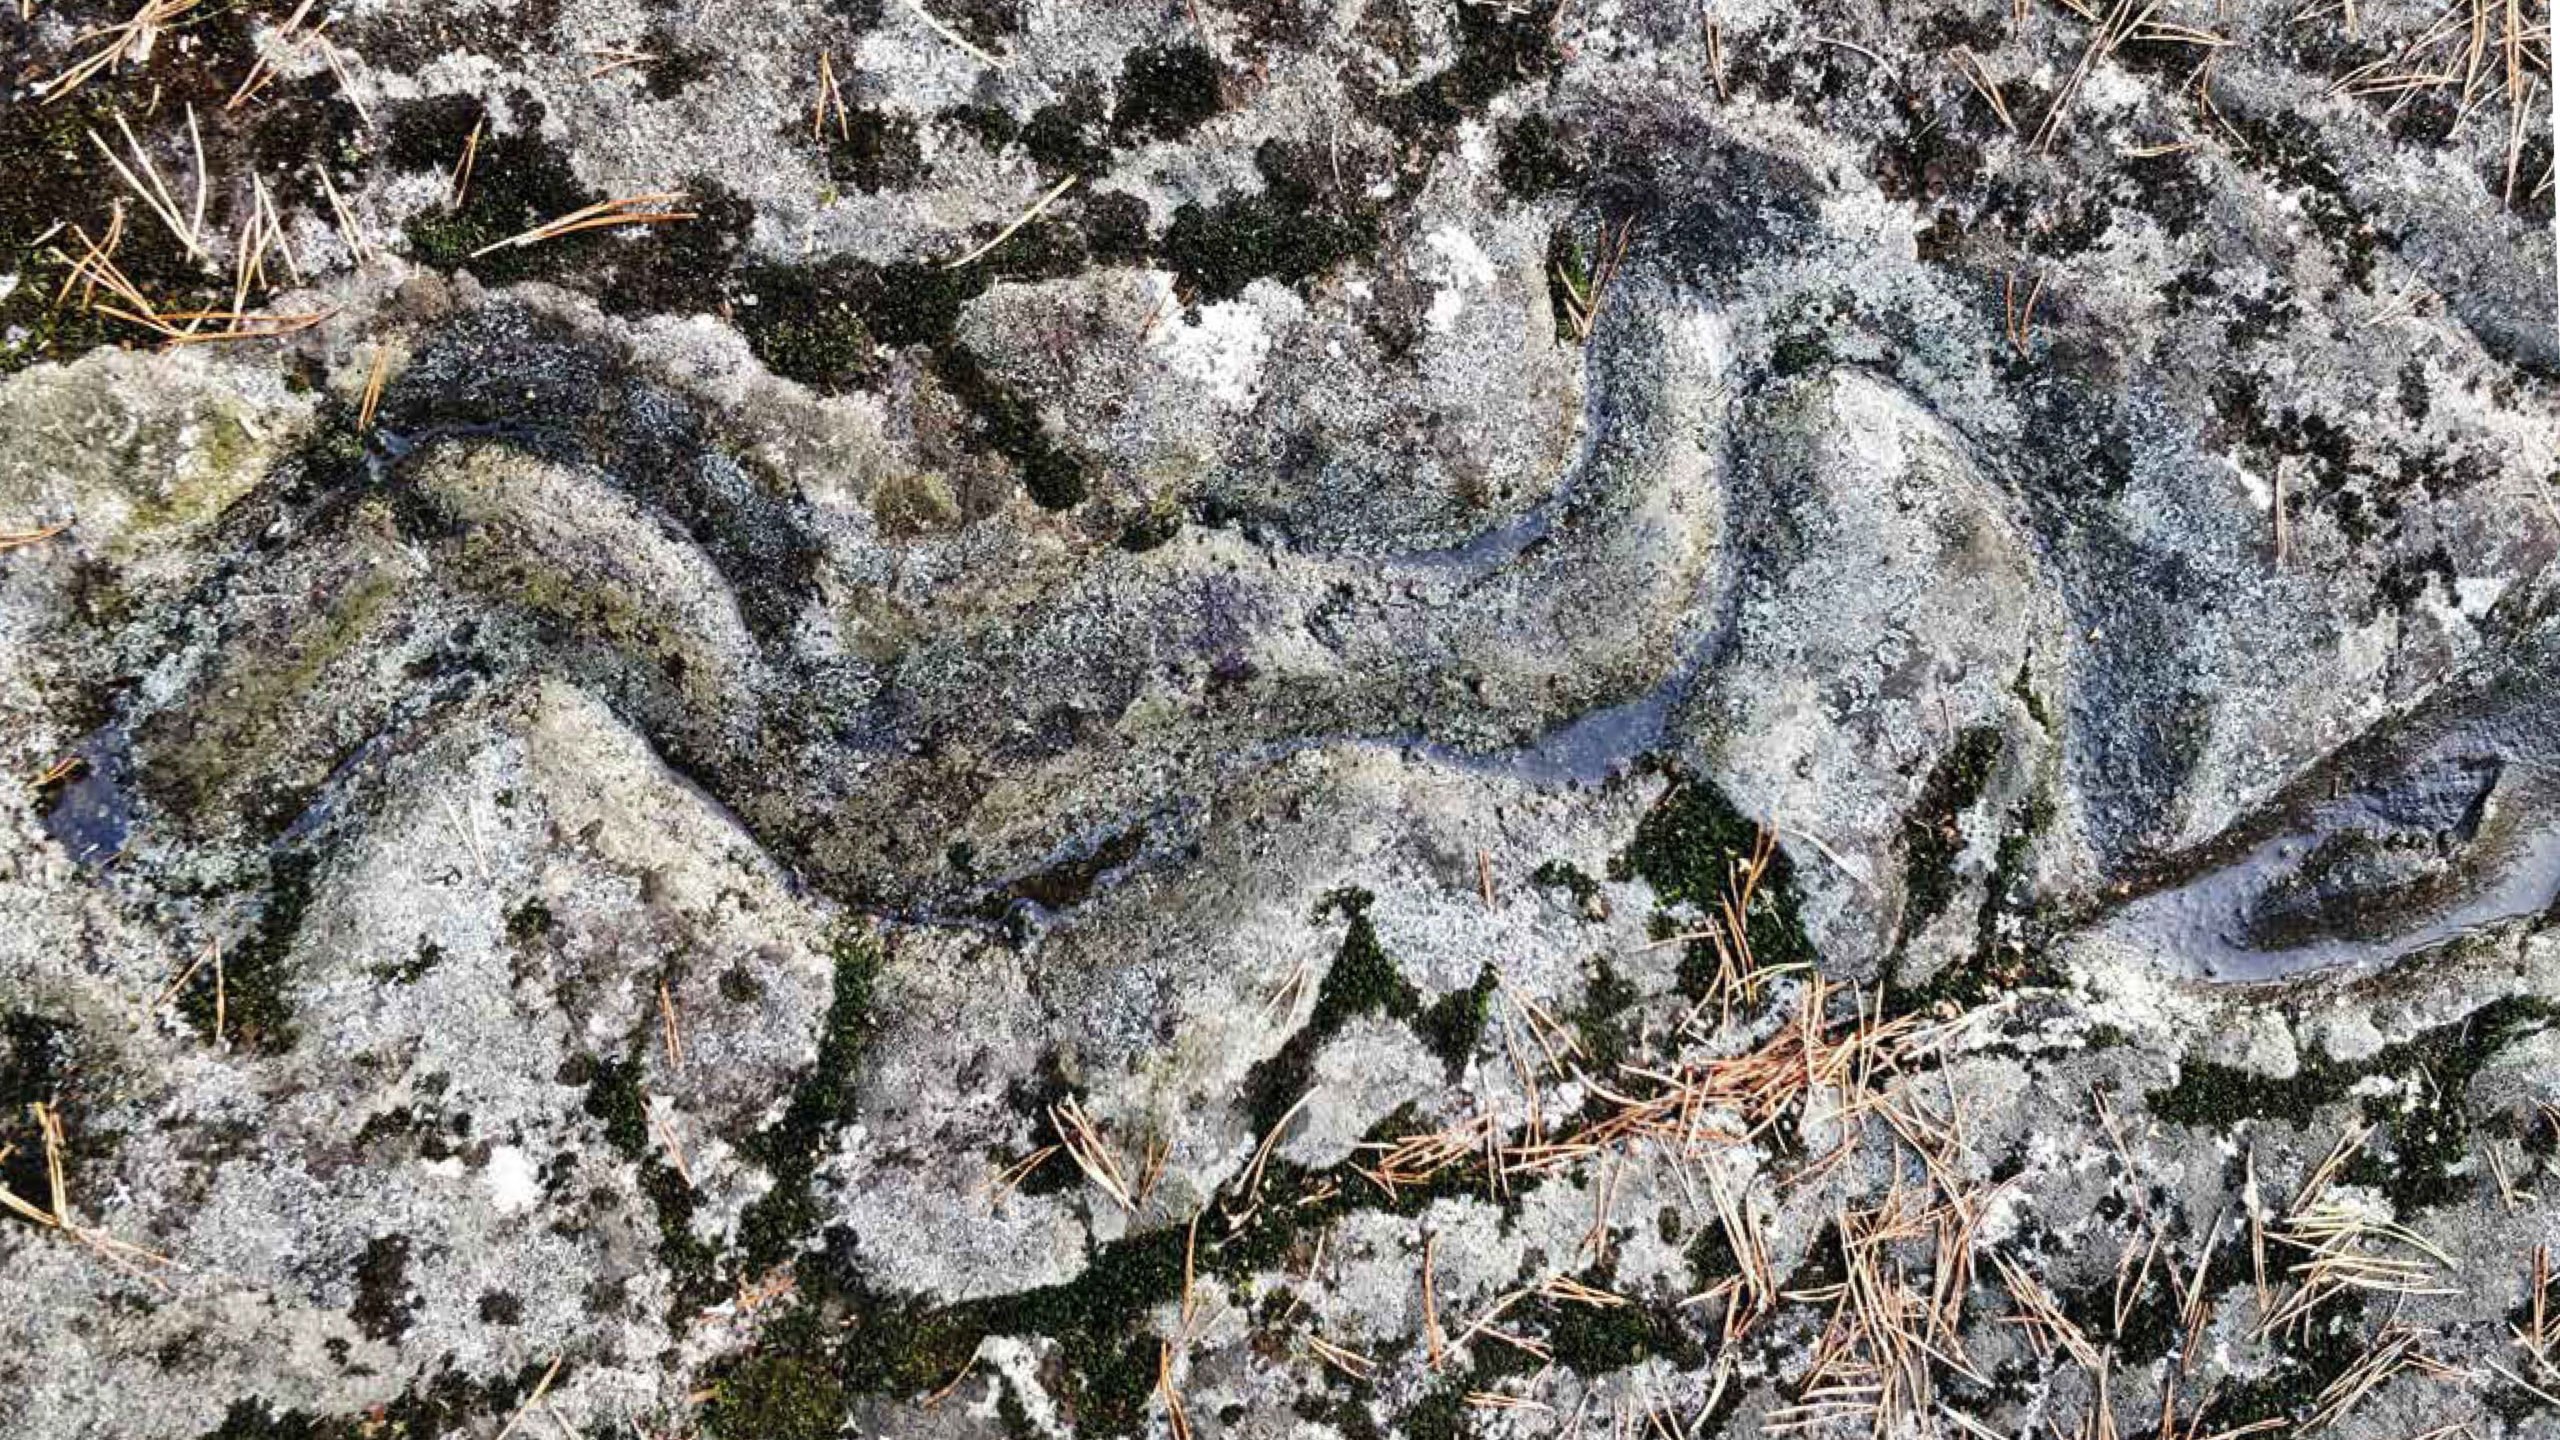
(1363, 980)
(2427, 1119)
(1933, 829)
(774, 1227)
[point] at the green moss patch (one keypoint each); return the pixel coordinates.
(1454, 1025)
(1690, 847)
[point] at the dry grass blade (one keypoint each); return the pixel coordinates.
(956, 38)
(541, 1388)
(1025, 218)
(604, 214)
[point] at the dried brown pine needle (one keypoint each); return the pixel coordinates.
(129, 41)
(56, 1214)
(670, 1032)
(830, 102)
(1177, 1423)
(374, 380)
(612, 58)
(1349, 1362)
(541, 1388)
(1092, 1154)
(184, 222)
(460, 187)
(14, 539)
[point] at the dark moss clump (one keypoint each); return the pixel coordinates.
(844, 1341)
(444, 1404)
(908, 303)
(993, 125)
(1454, 1024)
(2307, 1362)
(1594, 1340)
(1932, 831)
(410, 971)
(37, 1056)
(985, 22)
(1300, 226)
(682, 268)
(252, 997)
(2000, 962)
(384, 1300)
(773, 1227)
(825, 325)
(1441, 1414)
(529, 922)
(1066, 136)
(2289, 149)
(678, 66)
(2429, 1140)
(873, 151)
(518, 181)
(1538, 158)
(1692, 848)
(1499, 46)
(57, 177)
(1604, 1023)
(1363, 981)
(806, 325)
(1165, 93)
(1115, 226)
(1559, 875)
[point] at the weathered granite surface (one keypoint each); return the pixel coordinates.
(1895, 661)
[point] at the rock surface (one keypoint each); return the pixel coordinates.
(1385, 717)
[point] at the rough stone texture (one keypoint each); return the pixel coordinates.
(842, 816)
